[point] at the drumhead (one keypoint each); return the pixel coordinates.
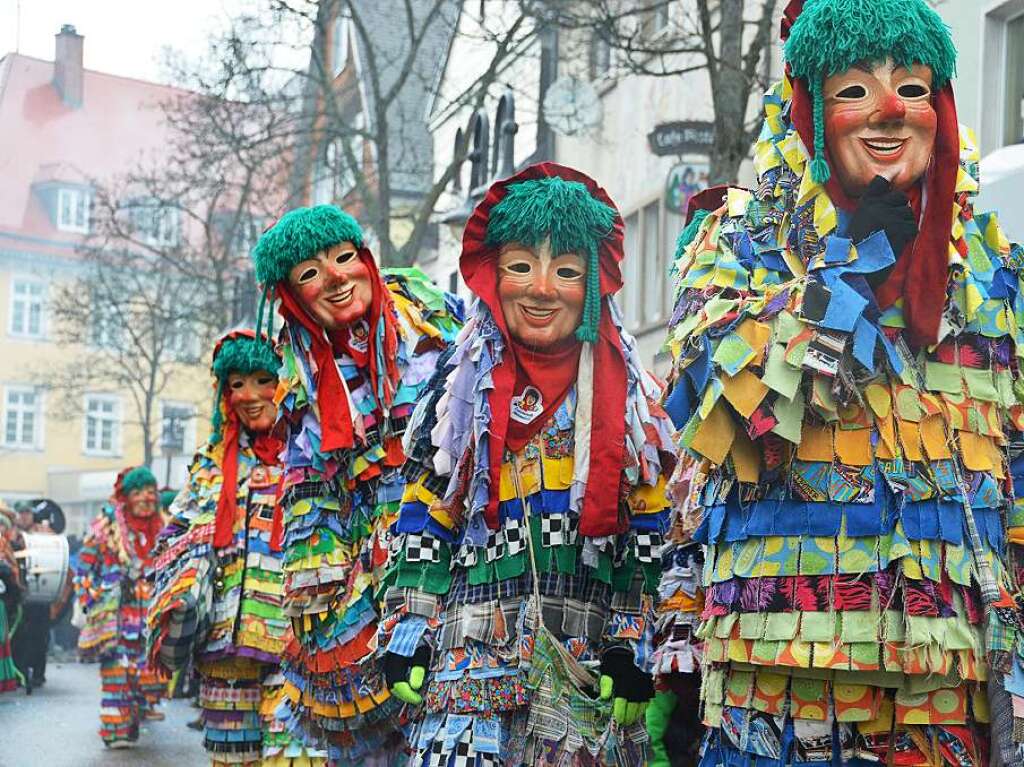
(44, 566)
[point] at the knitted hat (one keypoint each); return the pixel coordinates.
(826, 37)
(135, 479)
(299, 235)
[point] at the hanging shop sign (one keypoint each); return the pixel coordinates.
(682, 137)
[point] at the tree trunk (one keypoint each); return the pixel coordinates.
(730, 98)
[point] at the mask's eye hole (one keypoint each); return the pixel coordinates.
(308, 274)
(519, 267)
(569, 272)
(344, 257)
(236, 384)
(852, 92)
(264, 380)
(912, 90)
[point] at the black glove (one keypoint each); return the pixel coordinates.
(404, 675)
(884, 209)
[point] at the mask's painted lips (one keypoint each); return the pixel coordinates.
(884, 148)
(342, 297)
(536, 315)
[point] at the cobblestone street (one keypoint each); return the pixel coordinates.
(56, 726)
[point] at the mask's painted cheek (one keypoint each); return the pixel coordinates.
(843, 119)
(308, 293)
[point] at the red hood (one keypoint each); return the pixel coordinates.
(600, 510)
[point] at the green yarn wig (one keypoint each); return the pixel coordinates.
(137, 478)
(299, 235)
(830, 36)
(564, 212)
(238, 353)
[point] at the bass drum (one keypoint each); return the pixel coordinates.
(44, 566)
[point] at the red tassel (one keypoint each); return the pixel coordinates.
(227, 505)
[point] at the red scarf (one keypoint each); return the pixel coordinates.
(552, 373)
(336, 432)
(600, 511)
(267, 450)
(143, 531)
(922, 271)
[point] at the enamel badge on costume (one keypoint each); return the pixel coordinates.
(359, 336)
(527, 406)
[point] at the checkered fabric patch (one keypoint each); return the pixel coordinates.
(515, 536)
(495, 545)
(465, 556)
(554, 530)
(437, 755)
(422, 548)
(647, 547)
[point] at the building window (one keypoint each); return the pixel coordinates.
(73, 210)
(102, 424)
(177, 427)
(156, 223)
(1013, 119)
(339, 44)
(105, 331)
(23, 422)
(655, 20)
(600, 56)
(28, 300)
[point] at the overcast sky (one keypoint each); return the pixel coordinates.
(123, 37)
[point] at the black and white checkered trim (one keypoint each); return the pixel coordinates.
(558, 530)
(495, 545)
(515, 536)
(465, 556)
(422, 548)
(647, 547)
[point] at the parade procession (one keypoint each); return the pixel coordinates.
(684, 428)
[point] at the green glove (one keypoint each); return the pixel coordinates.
(659, 712)
(405, 676)
(625, 685)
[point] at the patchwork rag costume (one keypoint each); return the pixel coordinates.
(527, 551)
(219, 577)
(114, 595)
(10, 600)
(345, 397)
(849, 399)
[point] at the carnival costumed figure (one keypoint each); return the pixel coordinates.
(526, 562)
(219, 569)
(846, 383)
(11, 590)
(358, 347)
(114, 594)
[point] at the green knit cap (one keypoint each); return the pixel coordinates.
(137, 478)
(299, 235)
(167, 498)
(239, 354)
(830, 36)
(245, 355)
(564, 211)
